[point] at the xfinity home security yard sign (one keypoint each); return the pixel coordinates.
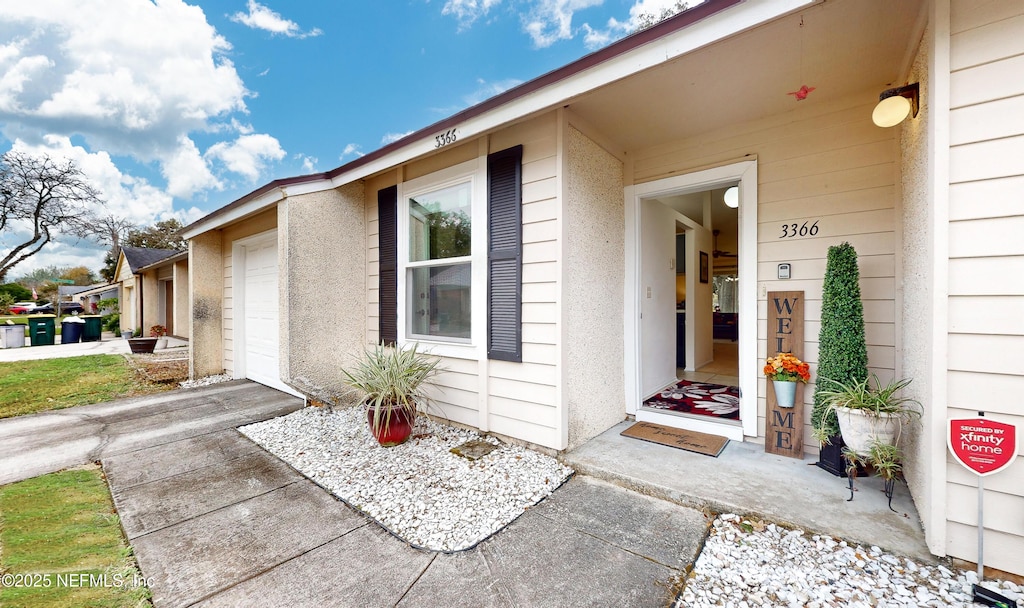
(982, 445)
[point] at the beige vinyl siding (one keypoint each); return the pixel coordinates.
(986, 264)
(522, 398)
(826, 163)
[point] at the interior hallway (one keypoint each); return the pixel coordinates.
(723, 370)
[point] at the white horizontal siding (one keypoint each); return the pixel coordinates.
(827, 165)
(986, 264)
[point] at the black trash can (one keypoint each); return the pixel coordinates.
(93, 330)
(41, 329)
(71, 332)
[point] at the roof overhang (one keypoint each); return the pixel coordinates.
(693, 29)
(164, 262)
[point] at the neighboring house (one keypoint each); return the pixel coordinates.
(552, 295)
(90, 297)
(154, 289)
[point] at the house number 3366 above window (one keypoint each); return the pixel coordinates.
(444, 139)
(794, 230)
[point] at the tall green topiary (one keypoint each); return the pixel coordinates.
(842, 349)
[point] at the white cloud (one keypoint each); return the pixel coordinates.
(247, 155)
(308, 162)
(393, 137)
(551, 20)
(261, 17)
(133, 78)
(642, 13)
(468, 11)
(350, 150)
(130, 197)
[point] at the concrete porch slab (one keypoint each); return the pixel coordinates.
(747, 481)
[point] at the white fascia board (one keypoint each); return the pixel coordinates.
(256, 205)
(720, 25)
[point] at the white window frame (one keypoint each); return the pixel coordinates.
(475, 172)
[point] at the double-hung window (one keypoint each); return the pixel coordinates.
(442, 257)
(451, 258)
(439, 272)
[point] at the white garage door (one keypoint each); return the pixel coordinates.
(259, 313)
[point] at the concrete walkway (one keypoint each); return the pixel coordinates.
(747, 481)
(216, 521)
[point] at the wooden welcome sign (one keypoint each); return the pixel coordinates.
(784, 426)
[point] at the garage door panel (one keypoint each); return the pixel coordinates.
(261, 314)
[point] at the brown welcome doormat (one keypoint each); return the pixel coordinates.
(702, 443)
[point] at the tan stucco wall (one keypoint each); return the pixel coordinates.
(594, 278)
(918, 295)
(182, 314)
(150, 304)
(323, 285)
(206, 285)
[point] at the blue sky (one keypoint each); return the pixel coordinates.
(178, 107)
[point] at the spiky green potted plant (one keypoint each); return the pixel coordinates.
(842, 349)
(392, 381)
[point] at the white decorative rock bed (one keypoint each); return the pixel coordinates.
(750, 563)
(419, 491)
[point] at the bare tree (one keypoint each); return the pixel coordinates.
(39, 198)
(646, 20)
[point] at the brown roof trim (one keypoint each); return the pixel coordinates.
(633, 41)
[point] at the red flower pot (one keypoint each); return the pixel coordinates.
(395, 425)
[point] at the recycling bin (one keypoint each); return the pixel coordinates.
(71, 330)
(12, 336)
(41, 329)
(93, 330)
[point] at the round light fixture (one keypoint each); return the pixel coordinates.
(732, 197)
(891, 111)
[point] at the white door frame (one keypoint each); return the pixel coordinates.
(745, 173)
(238, 259)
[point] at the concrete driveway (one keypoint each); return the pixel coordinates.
(216, 521)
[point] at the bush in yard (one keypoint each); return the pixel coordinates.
(842, 349)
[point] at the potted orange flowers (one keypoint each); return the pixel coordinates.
(785, 370)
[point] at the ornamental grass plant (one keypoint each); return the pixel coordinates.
(391, 378)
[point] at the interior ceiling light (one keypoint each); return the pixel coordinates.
(894, 105)
(732, 197)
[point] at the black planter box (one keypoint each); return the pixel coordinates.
(831, 458)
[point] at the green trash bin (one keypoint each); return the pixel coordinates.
(93, 330)
(41, 329)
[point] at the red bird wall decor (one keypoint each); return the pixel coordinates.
(802, 93)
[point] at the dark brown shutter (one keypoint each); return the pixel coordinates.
(505, 255)
(387, 216)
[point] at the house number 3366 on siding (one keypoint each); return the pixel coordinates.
(793, 230)
(446, 138)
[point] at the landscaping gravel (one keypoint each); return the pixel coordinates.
(747, 563)
(205, 381)
(420, 491)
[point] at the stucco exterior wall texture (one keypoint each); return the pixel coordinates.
(323, 287)
(150, 301)
(918, 294)
(594, 279)
(206, 284)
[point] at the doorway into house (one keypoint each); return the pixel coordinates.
(696, 293)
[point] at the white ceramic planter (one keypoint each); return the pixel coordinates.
(861, 430)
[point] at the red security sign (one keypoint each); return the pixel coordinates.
(982, 445)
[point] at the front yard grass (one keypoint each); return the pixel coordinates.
(61, 544)
(50, 384)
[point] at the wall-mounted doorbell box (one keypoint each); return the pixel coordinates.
(784, 271)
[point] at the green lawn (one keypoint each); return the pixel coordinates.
(50, 384)
(61, 544)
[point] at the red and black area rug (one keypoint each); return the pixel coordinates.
(701, 398)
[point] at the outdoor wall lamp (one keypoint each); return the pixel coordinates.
(894, 105)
